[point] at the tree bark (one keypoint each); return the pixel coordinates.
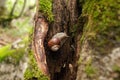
(91, 26)
(62, 63)
(65, 17)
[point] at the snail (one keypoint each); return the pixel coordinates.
(57, 41)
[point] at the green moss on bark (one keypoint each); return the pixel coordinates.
(101, 35)
(33, 72)
(103, 26)
(46, 8)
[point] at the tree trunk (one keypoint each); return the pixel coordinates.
(62, 63)
(91, 26)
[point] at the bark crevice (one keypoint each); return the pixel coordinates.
(63, 63)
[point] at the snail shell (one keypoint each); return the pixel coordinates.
(55, 43)
(55, 47)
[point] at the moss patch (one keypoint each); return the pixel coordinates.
(116, 68)
(90, 70)
(32, 72)
(103, 27)
(46, 8)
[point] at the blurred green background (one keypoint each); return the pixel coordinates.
(16, 26)
(16, 23)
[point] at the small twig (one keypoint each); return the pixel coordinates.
(22, 8)
(11, 13)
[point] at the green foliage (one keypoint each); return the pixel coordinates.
(33, 71)
(21, 30)
(5, 51)
(46, 8)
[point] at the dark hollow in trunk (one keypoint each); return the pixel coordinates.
(62, 64)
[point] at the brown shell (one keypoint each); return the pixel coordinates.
(53, 41)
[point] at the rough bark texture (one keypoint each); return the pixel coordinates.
(40, 31)
(62, 63)
(65, 17)
(94, 35)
